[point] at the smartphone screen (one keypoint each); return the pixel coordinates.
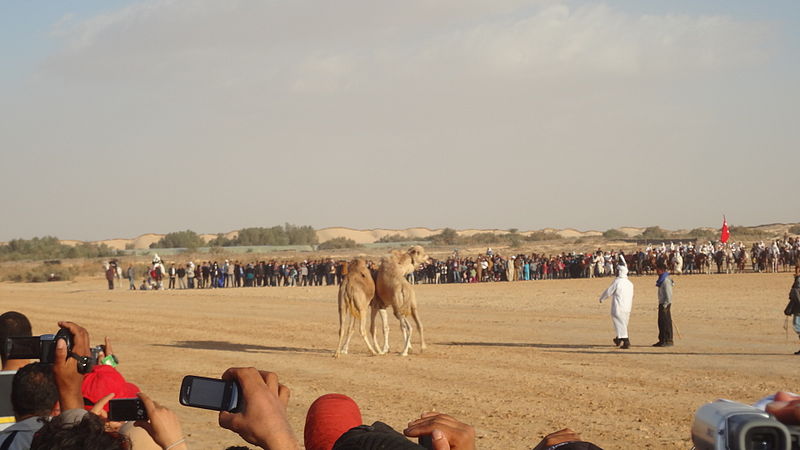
(22, 347)
(123, 409)
(209, 393)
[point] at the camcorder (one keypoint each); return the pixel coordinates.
(728, 425)
(41, 347)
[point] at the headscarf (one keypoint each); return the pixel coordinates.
(623, 272)
(662, 278)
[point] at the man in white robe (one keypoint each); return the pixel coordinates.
(621, 294)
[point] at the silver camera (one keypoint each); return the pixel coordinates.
(727, 425)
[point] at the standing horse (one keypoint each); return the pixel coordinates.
(740, 257)
(701, 263)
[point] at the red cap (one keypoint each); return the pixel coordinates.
(328, 418)
(103, 380)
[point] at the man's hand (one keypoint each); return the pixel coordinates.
(262, 417)
(98, 409)
(162, 424)
(65, 368)
(446, 432)
(785, 408)
(558, 437)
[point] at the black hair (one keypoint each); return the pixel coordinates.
(12, 324)
(33, 390)
(88, 434)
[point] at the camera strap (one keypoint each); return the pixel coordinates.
(85, 364)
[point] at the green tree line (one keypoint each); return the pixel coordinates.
(49, 247)
(278, 235)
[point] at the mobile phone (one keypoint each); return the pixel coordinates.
(209, 393)
(123, 409)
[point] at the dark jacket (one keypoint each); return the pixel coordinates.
(794, 299)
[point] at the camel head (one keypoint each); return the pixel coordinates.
(406, 262)
(418, 255)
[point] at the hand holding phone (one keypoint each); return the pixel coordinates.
(262, 418)
(163, 425)
(209, 393)
(125, 409)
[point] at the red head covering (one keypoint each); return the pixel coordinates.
(104, 380)
(328, 418)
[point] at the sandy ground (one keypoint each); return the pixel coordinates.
(516, 360)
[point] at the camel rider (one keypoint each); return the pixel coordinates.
(158, 267)
(621, 294)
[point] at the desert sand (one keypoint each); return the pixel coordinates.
(516, 360)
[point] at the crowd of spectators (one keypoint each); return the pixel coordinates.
(491, 266)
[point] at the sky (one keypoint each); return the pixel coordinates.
(119, 118)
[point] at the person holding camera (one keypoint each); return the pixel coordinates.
(75, 427)
(664, 285)
(793, 307)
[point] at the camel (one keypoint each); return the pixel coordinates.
(392, 289)
(355, 293)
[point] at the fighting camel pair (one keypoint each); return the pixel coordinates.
(359, 294)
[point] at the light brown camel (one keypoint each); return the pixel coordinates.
(392, 289)
(355, 293)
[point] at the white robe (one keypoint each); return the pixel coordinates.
(621, 294)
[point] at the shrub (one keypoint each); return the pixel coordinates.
(393, 238)
(49, 247)
(739, 232)
(448, 236)
(286, 235)
(543, 236)
(794, 229)
(703, 234)
(179, 239)
(614, 234)
(39, 273)
(654, 233)
(337, 243)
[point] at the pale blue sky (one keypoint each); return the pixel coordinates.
(119, 118)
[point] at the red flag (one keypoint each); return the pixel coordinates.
(725, 233)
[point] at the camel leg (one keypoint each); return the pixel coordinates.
(363, 330)
(373, 330)
(415, 314)
(341, 349)
(385, 320)
(350, 329)
(403, 324)
(406, 326)
(342, 317)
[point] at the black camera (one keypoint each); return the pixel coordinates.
(41, 347)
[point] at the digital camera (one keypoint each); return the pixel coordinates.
(727, 425)
(41, 347)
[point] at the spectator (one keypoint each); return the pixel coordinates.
(131, 274)
(34, 396)
(13, 324)
(75, 428)
(793, 307)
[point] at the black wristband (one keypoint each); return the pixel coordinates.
(85, 363)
